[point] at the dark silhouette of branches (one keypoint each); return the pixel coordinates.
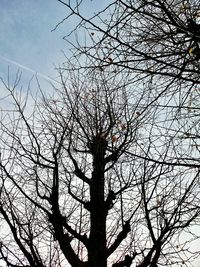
(104, 171)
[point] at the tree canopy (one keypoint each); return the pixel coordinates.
(105, 170)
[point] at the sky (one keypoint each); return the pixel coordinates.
(27, 39)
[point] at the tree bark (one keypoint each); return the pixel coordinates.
(98, 209)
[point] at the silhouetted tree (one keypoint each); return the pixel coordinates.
(155, 43)
(105, 171)
(147, 37)
(79, 183)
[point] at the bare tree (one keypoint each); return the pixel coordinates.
(159, 38)
(77, 184)
(105, 171)
(155, 43)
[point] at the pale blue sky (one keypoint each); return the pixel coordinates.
(27, 37)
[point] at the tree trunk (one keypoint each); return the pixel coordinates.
(98, 211)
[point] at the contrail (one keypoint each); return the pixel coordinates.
(28, 69)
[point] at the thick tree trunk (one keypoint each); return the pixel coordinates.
(98, 210)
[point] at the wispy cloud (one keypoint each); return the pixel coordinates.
(29, 69)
